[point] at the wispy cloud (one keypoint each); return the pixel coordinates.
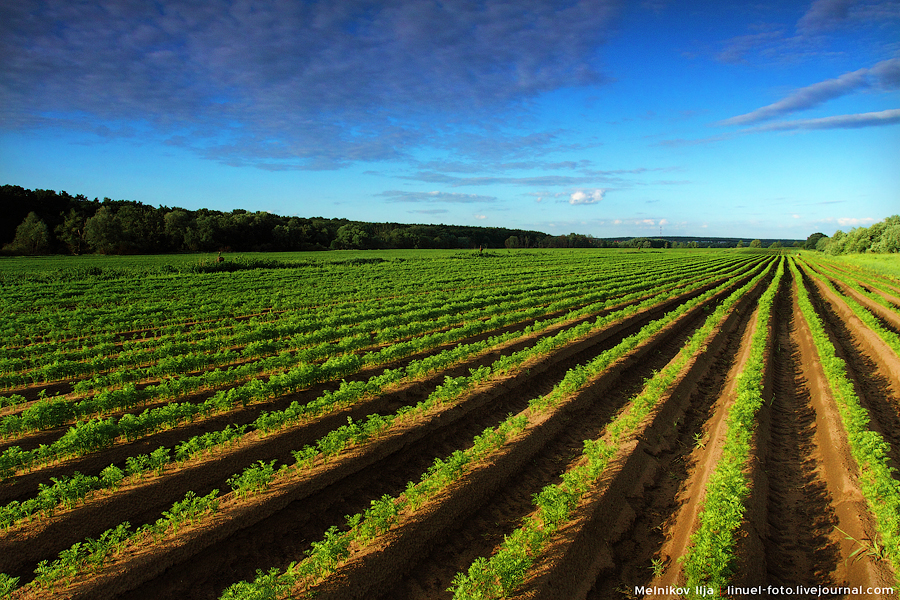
(871, 119)
(812, 35)
(407, 196)
(884, 75)
(854, 222)
(583, 177)
(296, 84)
(804, 98)
(854, 121)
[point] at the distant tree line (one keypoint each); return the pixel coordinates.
(882, 237)
(47, 222)
(44, 221)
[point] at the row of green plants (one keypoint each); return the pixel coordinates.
(72, 309)
(854, 281)
(710, 559)
(111, 309)
(91, 554)
(865, 315)
(249, 339)
(97, 433)
(260, 475)
(498, 575)
(872, 278)
(271, 421)
(165, 356)
(48, 414)
(325, 556)
(877, 479)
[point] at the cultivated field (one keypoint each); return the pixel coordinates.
(410, 425)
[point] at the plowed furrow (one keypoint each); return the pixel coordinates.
(304, 521)
(800, 509)
(393, 472)
(146, 503)
(876, 387)
(485, 529)
(665, 507)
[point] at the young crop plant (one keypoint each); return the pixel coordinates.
(877, 478)
(499, 575)
(385, 511)
(889, 337)
(710, 558)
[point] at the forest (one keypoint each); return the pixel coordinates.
(48, 222)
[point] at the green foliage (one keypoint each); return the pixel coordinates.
(881, 237)
(32, 237)
(877, 480)
(253, 479)
(499, 575)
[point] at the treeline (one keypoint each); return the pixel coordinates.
(49, 222)
(44, 221)
(882, 237)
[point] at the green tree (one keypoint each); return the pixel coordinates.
(176, 224)
(756, 244)
(812, 240)
(775, 244)
(71, 232)
(351, 237)
(103, 232)
(740, 244)
(32, 237)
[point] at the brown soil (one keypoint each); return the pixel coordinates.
(606, 549)
(666, 507)
(31, 440)
(136, 506)
(804, 484)
(871, 365)
(228, 548)
(889, 319)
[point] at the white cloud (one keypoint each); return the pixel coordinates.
(870, 119)
(854, 222)
(885, 76)
(481, 216)
(586, 197)
(409, 196)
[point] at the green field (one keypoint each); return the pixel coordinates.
(439, 420)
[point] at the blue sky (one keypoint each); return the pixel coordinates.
(601, 117)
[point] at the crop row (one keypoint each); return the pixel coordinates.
(376, 427)
(498, 575)
(877, 479)
(711, 557)
(101, 309)
(97, 433)
(291, 331)
(76, 487)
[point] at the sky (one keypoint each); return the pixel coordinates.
(601, 117)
